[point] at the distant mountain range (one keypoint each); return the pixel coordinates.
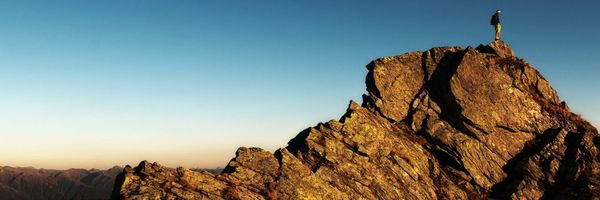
(217, 170)
(29, 183)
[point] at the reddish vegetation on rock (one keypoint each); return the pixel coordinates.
(446, 123)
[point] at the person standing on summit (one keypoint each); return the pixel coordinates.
(496, 23)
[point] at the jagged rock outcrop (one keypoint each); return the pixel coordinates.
(26, 183)
(446, 123)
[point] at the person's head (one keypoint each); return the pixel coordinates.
(498, 11)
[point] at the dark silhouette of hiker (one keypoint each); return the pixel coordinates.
(496, 23)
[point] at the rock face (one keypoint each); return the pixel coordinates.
(32, 184)
(446, 123)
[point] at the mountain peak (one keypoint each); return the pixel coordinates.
(497, 47)
(445, 123)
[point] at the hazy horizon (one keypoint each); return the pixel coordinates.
(185, 83)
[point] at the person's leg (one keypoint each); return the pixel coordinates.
(498, 30)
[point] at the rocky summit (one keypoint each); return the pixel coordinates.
(446, 123)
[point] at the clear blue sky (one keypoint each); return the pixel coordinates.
(102, 83)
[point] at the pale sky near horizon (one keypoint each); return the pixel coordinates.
(185, 83)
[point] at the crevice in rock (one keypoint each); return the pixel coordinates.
(322, 161)
(271, 191)
(298, 143)
(509, 65)
(573, 173)
(485, 49)
(354, 149)
(369, 103)
(447, 158)
(380, 113)
(279, 157)
(299, 148)
(374, 93)
(228, 169)
(438, 149)
(412, 109)
(516, 168)
(441, 93)
(506, 128)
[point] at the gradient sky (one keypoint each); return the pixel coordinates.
(100, 83)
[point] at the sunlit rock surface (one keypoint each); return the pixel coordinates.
(446, 123)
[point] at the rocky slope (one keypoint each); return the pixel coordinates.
(31, 184)
(446, 123)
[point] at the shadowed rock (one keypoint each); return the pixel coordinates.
(446, 123)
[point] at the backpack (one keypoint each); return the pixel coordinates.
(493, 21)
